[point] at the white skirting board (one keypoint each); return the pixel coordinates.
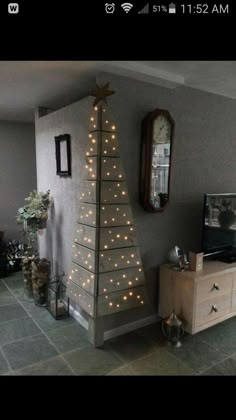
(122, 329)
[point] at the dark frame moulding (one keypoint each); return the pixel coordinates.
(58, 142)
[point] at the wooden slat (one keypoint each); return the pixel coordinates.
(114, 192)
(89, 192)
(119, 259)
(84, 257)
(119, 280)
(116, 215)
(93, 138)
(111, 169)
(117, 237)
(108, 121)
(85, 235)
(121, 301)
(87, 214)
(90, 170)
(80, 296)
(83, 278)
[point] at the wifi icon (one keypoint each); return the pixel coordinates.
(127, 7)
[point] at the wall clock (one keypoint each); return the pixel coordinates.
(157, 142)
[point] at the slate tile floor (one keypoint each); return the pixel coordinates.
(33, 343)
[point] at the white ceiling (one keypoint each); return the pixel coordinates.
(25, 85)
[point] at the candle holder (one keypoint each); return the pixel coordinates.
(57, 302)
(173, 330)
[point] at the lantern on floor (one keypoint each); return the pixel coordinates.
(57, 301)
(173, 330)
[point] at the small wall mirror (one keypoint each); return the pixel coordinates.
(63, 155)
(157, 142)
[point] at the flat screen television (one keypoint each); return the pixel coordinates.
(219, 225)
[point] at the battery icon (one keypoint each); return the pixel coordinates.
(172, 8)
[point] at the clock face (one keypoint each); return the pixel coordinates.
(161, 130)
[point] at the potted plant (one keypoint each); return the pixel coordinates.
(33, 216)
(35, 213)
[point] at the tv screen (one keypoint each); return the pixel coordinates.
(219, 223)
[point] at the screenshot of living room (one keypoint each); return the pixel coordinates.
(118, 216)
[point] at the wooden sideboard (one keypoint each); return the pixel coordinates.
(200, 299)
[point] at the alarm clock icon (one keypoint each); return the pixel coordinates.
(110, 7)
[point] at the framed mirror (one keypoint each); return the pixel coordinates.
(157, 142)
(63, 155)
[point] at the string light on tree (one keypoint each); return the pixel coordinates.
(104, 278)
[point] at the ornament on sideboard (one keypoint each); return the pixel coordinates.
(178, 257)
(173, 330)
(196, 261)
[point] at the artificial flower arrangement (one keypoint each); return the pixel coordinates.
(36, 208)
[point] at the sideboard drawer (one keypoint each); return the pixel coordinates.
(213, 308)
(213, 287)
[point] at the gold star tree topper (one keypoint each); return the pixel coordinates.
(101, 93)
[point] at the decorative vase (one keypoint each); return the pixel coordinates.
(27, 273)
(40, 280)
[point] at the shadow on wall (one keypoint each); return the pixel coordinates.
(152, 286)
(58, 257)
(48, 239)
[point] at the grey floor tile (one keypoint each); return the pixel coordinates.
(28, 351)
(160, 363)
(197, 354)
(131, 346)
(46, 321)
(122, 371)
(153, 332)
(6, 298)
(68, 338)
(10, 312)
(15, 280)
(3, 288)
(229, 322)
(220, 336)
(20, 293)
(17, 329)
(226, 368)
(34, 310)
(4, 370)
(56, 366)
(91, 361)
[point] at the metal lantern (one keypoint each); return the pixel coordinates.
(57, 301)
(173, 330)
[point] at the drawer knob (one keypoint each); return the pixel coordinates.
(215, 286)
(214, 308)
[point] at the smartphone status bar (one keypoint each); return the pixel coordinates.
(168, 8)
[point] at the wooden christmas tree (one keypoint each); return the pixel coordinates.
(106, 275)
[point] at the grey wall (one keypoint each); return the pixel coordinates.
(203, 161)
(17, 172)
